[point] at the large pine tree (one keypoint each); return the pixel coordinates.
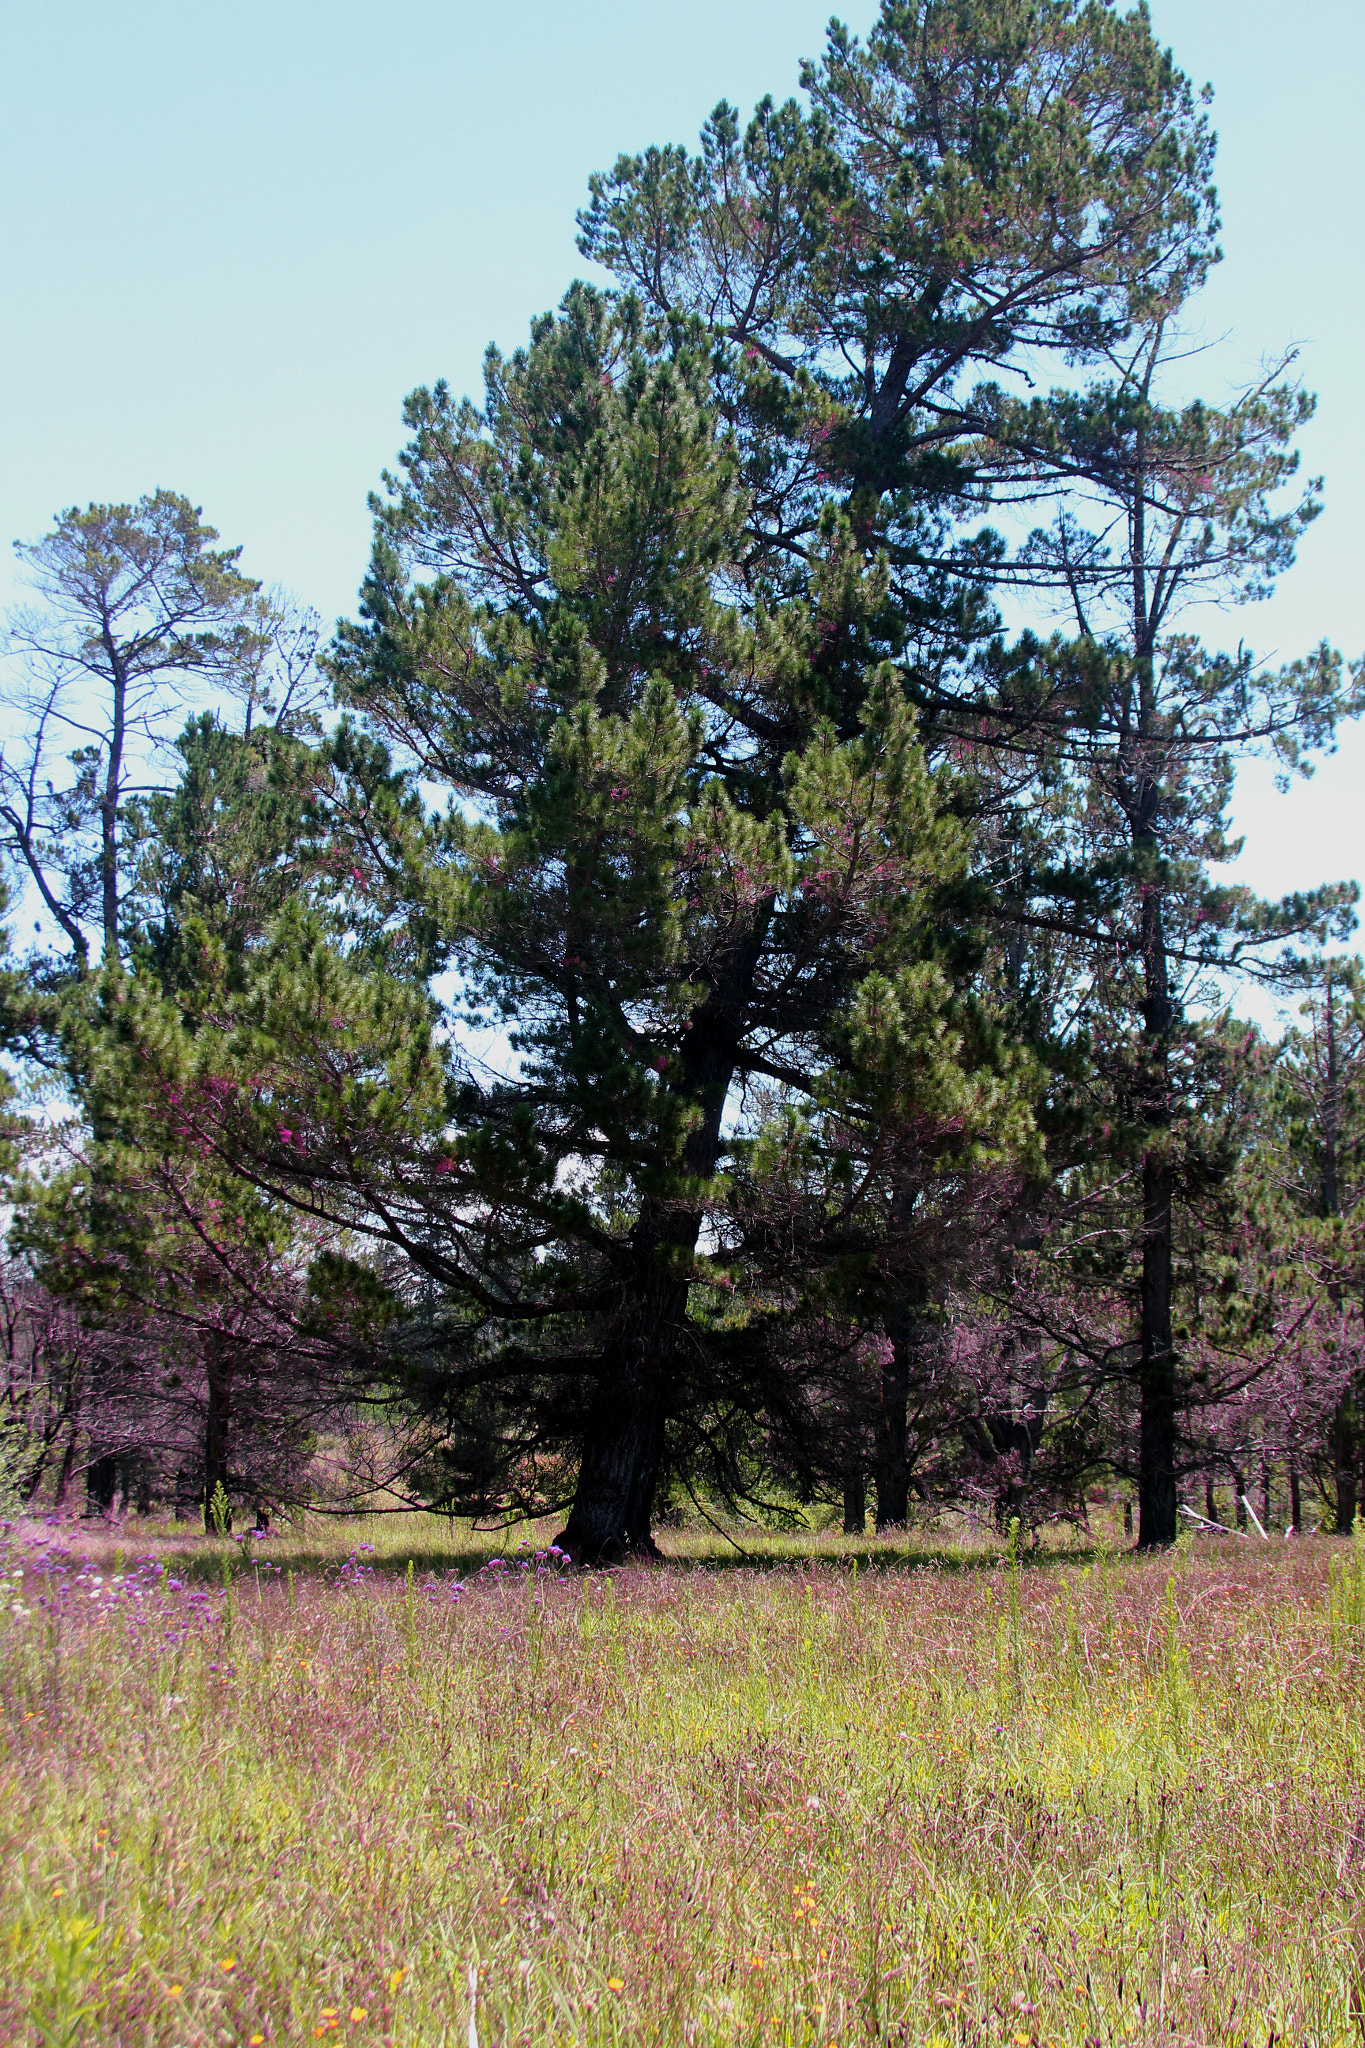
(693, 843)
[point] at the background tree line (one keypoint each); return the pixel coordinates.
(725, 1011)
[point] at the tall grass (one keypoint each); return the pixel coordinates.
(1098, 1800)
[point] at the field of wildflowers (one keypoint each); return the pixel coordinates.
(274, 1793)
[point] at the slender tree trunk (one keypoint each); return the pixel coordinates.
(1295, 1498)
(1156, 1369)
(68, 1464)
(1210, 1504)
(855, 1504)
(892, 1460)
(68, 1418)
(109, 800)
(1239, 1494)
(34, 1479)
(28, 845)
(1265, 1493)
(1344, 1450)
(1156, 1452)
(74, 1407)
(217, 1426)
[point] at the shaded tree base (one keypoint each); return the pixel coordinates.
(589, 1552)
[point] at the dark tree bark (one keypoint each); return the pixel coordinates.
(112, 792)
(1344, 1453)
(68, 1466)
(892, 1467)
(614, 1499)
(101, 1481)
(1156, 1451)
(217, 1427)
(855, 1504)
(1345, 1448)
(1156, 1370)
(1295, 1498)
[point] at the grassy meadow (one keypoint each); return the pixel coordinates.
(302, 1790)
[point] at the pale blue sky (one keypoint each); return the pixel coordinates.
(234, 237)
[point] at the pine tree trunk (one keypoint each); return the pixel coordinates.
(1344, 1446)
(614, 1499)
(1239, 1496)
(892, 1461)
(1344, 1459)
(613, 1503)
(855, 1504)
(217, 1425)
(1156, 1369)
(1295, 1498)
(109, 800)
(1210, 1504)
(1156, 1453)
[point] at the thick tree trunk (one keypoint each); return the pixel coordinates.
(855, 1504)
(1239, 1496)
(623, 1442)
(101, 1482)
(892, 1460)
(1210, 1504)
(217, 1427)
(614, 1498)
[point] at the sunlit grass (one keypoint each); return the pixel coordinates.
(837, 1799)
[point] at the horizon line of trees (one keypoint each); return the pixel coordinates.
(720, 1016)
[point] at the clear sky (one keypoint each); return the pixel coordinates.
(234, 237)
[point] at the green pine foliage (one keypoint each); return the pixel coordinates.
(717, 1014)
